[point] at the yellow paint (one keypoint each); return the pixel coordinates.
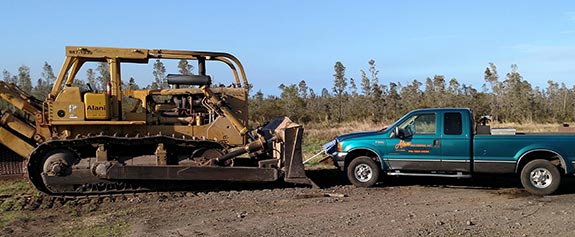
(97, 106)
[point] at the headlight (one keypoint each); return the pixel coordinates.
(330, 147)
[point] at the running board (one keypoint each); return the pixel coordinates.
(457, 175)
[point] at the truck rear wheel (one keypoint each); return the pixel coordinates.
(540, 177)
(363, 172)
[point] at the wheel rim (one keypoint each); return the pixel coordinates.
(363, 173)
(541, 178)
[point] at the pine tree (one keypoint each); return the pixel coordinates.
(393, 102)
(430, 97)
(374, 72)
(91, 78)
(132, 85)
(339, 86)
(184, 67)
(160, 75)
(24, 80)
(302, 88)
(353, 88)
(104, 77)
(44, 84)
(377, 100)
(294, 106)
(518, 95)
(365, 84)
(495, 97)
(8, 78)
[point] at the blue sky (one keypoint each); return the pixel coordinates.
(289, 41)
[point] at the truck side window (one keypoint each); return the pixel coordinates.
(452, 124)
(421, 124)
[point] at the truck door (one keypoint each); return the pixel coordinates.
(418, 149)
(455, 142)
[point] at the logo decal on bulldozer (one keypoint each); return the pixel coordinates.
(96, 108)
(72, 111)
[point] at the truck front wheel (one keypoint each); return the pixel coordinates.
(540, 177)
(363, 172)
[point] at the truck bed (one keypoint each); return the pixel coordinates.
(502, 153)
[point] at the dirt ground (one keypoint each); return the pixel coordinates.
(485, 206)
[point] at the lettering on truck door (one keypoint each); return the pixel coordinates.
(419, 150)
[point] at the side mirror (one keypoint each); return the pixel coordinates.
(409, 130)
(398, 132)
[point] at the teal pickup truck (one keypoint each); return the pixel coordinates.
(446, 142)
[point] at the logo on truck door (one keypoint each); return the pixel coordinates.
(412, 148)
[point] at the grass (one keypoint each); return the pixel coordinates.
(318, 134)
(10, 217)
(115, 229)
(11, 192)
(329, 131)
(529, 127)
(19, 186)
(74, 218)
(107, 224)
(11, 203)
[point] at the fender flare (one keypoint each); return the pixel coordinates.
(561, 159)
(382, 163)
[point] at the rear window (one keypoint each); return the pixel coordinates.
(452, 124)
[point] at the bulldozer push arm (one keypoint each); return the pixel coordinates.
(18, 130)
(81, 142)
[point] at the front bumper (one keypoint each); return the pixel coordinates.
(339, 159)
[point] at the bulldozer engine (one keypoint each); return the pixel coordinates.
(81, 142)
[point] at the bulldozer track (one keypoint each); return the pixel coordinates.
(89, 143)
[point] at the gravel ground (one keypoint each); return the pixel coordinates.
(485, 206)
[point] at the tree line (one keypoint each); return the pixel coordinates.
(508, 98)
(95, 78)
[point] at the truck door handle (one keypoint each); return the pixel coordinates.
(436, 143)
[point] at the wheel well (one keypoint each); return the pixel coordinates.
(553, 157)
(362, 152)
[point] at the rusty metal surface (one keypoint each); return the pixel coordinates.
(292, 155)
(191, 173)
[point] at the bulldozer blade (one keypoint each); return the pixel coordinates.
(292, 154)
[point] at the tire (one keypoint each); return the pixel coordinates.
(540, 177)
(363, 172)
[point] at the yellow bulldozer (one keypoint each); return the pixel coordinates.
(80, 141)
